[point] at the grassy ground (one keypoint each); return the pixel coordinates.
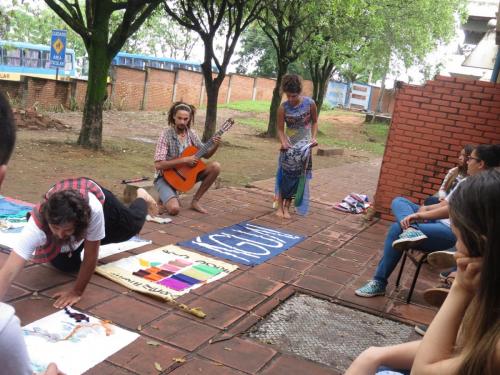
(44, 156)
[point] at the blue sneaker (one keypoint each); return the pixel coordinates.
(409, 239)
(372, 288)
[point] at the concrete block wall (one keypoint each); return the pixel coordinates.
(241, 88)
(127, 88)
(429, 127)
(159, 89)
(44, 93)
(136, 89)
(264, 88)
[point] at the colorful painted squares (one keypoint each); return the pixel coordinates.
(167, 272)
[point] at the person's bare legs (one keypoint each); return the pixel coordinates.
(172, 207)
(150, 201)
(279, 209)
(208, 177)
(286, 208)
(398, 357)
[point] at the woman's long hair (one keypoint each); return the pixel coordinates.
(475, 213)
(66, 206)
(181, 106)
(460, 170)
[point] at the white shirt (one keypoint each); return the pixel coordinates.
(13, 353)
(447, 221)
(33, 237)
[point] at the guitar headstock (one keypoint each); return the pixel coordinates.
(227, 125)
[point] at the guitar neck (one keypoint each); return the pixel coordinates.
(208, 145)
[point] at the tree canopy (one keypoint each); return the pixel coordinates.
(209, 18)
(102, 41)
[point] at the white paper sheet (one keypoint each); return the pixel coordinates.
(74, 346)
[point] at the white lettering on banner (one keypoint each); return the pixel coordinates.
(253, 242)
(263, 230)
(224, 249)
(278, 243)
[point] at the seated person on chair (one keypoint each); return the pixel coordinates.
(425, 228)
(75, 215)
(452, 178)
(464, 336)
(172, 142)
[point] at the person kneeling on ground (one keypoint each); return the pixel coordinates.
(75, 215)
(425, 228)
(172, 142)
(464, 337)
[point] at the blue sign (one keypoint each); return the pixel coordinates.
(244, 243)
(58, 49)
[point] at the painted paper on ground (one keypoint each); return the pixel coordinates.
(167, 272)
(76, 342)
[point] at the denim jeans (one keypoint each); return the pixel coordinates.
(439, 237)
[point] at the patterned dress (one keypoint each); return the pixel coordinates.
(296, 161)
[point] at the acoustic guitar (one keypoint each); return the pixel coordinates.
(183, 177)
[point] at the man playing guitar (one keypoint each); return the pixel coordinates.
(172, 142)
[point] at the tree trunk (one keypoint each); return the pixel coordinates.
(378, 109)
(212, 90)
(99, 62)
(91, 131)
(272, 131)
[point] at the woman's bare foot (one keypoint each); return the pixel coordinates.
(150, 201)
(286, 209)
(279, 212)
(195, 205)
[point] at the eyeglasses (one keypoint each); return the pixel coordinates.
(473, 158)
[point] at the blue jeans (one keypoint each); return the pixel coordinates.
(439, 237)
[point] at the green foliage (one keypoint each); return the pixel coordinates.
(30, 24)
(258, 106)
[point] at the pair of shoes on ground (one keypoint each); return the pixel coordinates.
(411, 238)
(436, 296)
(442, 259)
(421, 329)
(372, 288)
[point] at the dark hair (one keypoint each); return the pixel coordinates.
(460, 170)
(7, 130)
(181, 106)
(475, 213)
(490, 154)
(67, 206)
(291, 83)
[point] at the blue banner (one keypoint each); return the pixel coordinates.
(58, 49)
(244, 243)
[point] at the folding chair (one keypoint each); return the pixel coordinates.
(417, 257)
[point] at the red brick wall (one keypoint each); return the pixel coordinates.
(80, 90)
(241, 88)
(44, 93)
(159, 89)
(264, 88)
(12, 88)
(429, 127)
(188, 86)
(128, 88)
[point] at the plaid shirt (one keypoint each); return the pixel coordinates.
(169, 147)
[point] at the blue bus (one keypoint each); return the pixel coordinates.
(25, 59)
(139, 61)
(142, 61)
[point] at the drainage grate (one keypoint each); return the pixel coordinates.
(326, 332)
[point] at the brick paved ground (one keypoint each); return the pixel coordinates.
(338, 256)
